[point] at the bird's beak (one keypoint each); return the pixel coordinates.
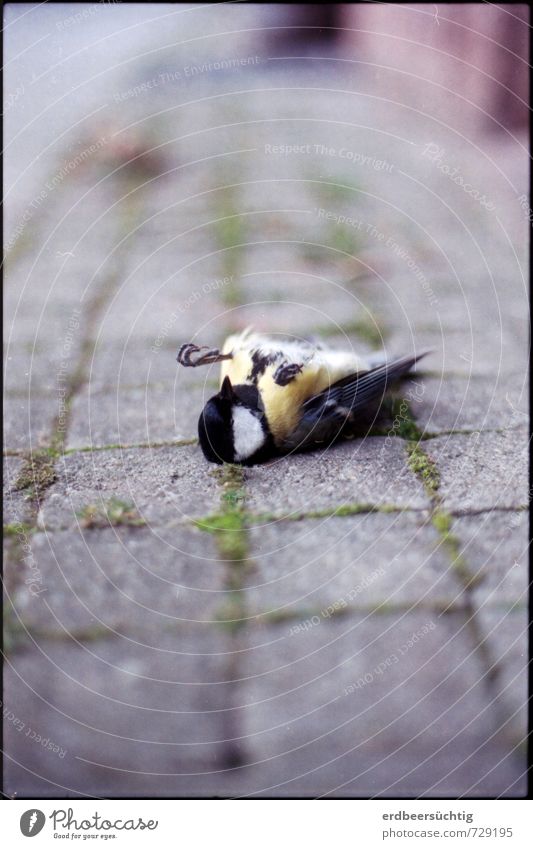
(226, 390)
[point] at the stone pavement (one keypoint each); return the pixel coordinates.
(347, 623)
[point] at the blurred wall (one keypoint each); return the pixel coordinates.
(477, 51)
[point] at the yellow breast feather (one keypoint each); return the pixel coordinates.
(238, 368)
(283, 403)
(320, 369)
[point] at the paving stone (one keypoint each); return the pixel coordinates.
(15, 503)
(29, 372)
(125, 580)
(297, 304)
(466, 404)
(481, 472)
(372, 470)
(73, 231)
(178, 706)
(133, 709)
(146, 414)
(333, 742)
(424, 714)
(39, 345)
(116, 366)
(505, 635)
(495, 547)
(165, 485)
(318, 568)
(171, 288)
(29, 421)
(463, 353)
(45, 300)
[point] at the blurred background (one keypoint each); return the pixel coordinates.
(175, 172)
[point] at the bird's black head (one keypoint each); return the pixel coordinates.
(233, 428)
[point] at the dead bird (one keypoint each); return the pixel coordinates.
(282, 395)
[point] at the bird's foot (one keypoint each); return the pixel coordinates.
(211, 355)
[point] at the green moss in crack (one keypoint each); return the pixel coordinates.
(332, 192)
(230, 616)
(229, 525)
(443, 522)
(229, 530)
(229, 475)
(344, 510)
(341, 511)
(343, 239)
(128, 446)
(113, 512)
(37, 473)
(424, 468)
(403, 422)
(230, 232)
(16, 529)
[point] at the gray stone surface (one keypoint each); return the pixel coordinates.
(316, 568)
(28, 420)
(117, 366)
(451, 403)
(496, 547)
(482, 472)
(166, 485)
(120, 710)
(424, 715)
(99, 581)
(157, 663)
(461, 353)
(505, 633)
(304, 728)
(151, 413)
(15, 502)
(30, 371)
(372, 470)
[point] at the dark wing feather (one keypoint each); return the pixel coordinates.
(324, 415)
(356, 390)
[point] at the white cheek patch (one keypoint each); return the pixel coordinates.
(248, 434)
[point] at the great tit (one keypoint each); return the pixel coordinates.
(282, 395)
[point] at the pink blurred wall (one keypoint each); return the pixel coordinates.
(477, 51)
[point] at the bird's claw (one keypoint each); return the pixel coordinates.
(211, 355)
